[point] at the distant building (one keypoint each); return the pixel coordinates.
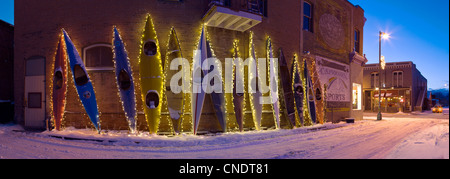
(403, 88)
(6, 71)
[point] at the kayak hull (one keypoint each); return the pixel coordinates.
(125, 82)
(83, 83)
(59, 84)
(151, 76)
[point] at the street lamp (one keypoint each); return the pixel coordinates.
(382, 65)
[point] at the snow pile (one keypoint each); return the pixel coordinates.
(432, 143)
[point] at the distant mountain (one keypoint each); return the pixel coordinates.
(442, 95)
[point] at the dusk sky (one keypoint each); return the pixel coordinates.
(419, 31)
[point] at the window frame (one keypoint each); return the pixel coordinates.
(374, 79)
(395, 82)
(29, 99)
(310, 17)
(85, 49)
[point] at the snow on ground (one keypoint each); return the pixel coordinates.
(431, 143)
(415, 135)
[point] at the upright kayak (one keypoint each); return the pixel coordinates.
(238, 96)
(273, 84)
(83, 83)
(286, 85)
(198, 94)
(298, 89)
(318, 98)
(125, 82)
(59, 84)
(151, 75)
(175, 101)
(255, 93)
(310, 94)
(218, 99)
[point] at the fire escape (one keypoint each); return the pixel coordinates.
(238, 15)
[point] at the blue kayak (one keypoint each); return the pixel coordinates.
(82, 82)
(125, 80)
(298, 89)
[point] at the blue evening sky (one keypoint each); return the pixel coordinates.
(419, 30)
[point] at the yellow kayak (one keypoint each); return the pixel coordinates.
(151, 76)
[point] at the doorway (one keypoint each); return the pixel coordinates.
(35, 107)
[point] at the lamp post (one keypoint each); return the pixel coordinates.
(382, 64)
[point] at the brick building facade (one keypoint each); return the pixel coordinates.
(403, 88)
(331, 30)
(6, 71)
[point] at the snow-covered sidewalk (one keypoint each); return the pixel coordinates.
(423, 135)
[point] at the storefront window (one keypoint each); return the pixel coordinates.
(357, 97)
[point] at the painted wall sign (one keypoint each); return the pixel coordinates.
(337, 76)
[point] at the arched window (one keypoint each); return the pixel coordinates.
(98, 57)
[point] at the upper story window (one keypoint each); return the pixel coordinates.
(357, 41)
(374, 80)
(397, 79)
(98, 57)
(263, 7)
(226, 3)
(307, 16)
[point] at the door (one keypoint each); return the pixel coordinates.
(35, 93)
(368, 101)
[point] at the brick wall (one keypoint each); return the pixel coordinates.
(38, 24)
(6, 71)
(6, 60)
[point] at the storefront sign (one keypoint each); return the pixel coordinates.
(337, 77)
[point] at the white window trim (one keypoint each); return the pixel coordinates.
(96, 68)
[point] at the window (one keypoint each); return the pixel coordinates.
(220, 2)
(98, 57)
(357, 41)
(397, 79)
(374, 80)
(307, 17)
(263, 7)
(357, 96)
(35, 100)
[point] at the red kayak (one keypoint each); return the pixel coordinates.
(59, 84)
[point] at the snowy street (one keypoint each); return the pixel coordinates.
(408, 135)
